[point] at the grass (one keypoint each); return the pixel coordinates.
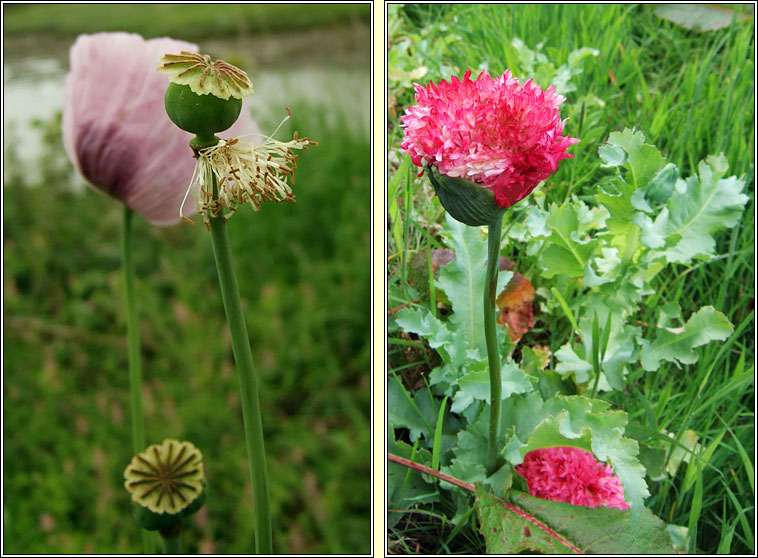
(303, 270)
(692, 95)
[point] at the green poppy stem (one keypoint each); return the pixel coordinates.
(490, 335)
(133, 336)
(134, 353)
(243, 357)
(171, 544)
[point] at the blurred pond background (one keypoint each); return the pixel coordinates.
(304, 273)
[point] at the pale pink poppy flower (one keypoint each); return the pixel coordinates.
(116, 130)
(491, 131)
(572, 475)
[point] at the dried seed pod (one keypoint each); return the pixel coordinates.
(167, 484)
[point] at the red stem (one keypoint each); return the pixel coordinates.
(425, 469)
(464, 485)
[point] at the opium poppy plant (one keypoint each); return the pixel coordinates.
(204, 97)
(486, 144)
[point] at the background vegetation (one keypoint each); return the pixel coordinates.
(190, 22)
(692, 94)
(303, 270)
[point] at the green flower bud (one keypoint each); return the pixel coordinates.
(167, 484)
(662, 185)
(465, 201)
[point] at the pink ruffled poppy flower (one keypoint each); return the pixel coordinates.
(116, 130)
(572, 475)
(505, 136)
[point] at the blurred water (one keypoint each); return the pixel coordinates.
(33, 83)
(32, 90)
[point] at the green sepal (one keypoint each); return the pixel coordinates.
(465, 201)
(203, 115)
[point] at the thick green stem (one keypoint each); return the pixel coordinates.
(490, 335)
(133, 352)
(171, 544)
(243, 356)
(132, 334)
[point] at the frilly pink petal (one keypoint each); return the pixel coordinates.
(572, 475)
(492, 131)
(115, 128)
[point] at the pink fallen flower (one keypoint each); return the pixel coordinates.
(115, 128)
(572, 475)
(505, 136)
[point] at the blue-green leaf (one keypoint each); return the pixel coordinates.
(620, 350)
(654, 233)
(644, 159)
(608, 268)
(476, 385)
(404, 411)
(566, 254)
(612, 155)
(463, 282)
(700, 207)
(422, 323)
(673, 345)
(604, 531)
(699, 17)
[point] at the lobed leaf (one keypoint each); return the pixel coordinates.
(507, 532)
(533, 524)
(515, 306)
(438, 335)
(699, 17)
(700, 207)
(476, 385)
(463, 282)
(676, 345)
(403, 411)
(584, 423)
(644, 160)
(619, 351)
(566, 254)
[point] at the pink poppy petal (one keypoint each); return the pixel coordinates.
(572, 475)
(115, 128)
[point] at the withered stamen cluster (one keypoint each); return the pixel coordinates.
(245, 174)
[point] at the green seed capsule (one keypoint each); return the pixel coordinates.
(166, 523)
(197, 503)
(202, 115)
